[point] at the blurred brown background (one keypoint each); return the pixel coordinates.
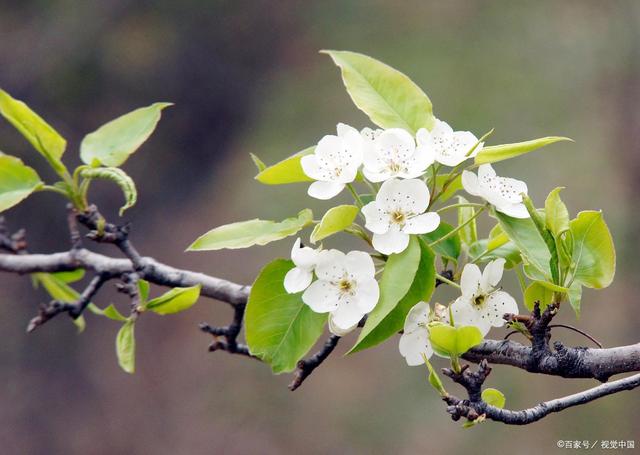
(246, 77)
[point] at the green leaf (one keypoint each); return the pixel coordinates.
(494, 153)
(493, 397)
(80, 323)
(120, 178)
(594, 254)
(253, 232)
(449, 341)
(468, 234)
(449, 248)
(288, 170)
(56, 287)
(388, 97)
(508, 251)
(39, 133)
(335, 220)
(174, 301)
(434, 379)
(113, 143)
(523, 232)
(17, 181)
(537, 292)
(280, 328)
(451, 189)
(126, 347)
(388, 317)
(575, 297)
(258, 162)
(143, 290)
(556, 213)
(71, 276)
(110, 312)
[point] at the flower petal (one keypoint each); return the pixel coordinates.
(367, 295)
(391, 242)
(376, 219)
(411, 196)
(297, 280)
(470, 183)
(422, 224)
(470, 281)
(414, 345)
(333, 328)
(418, 316)
(347, 314)
(321, 296)
(498, 304)
(492, 275)
(376, 176)
(465, 313)
(311, 167)
(359, 265)
(325, 190)
(330, 265)
(303, 257)
(514, 210)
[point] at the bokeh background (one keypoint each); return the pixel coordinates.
(245, 76)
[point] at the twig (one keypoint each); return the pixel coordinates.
(306, 366)
(581, 332)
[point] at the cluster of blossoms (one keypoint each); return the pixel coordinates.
(395, 162)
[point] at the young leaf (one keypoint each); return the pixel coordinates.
(39, 133)
(449, 341)
(253, 232)
(508, 251)
(113, 143)
(434, 379)
(422, 288)
(388, 97)
(494, 153)
(17, 181)
(469, 233)
(335, 220)
(280, 328)
(143, 290)
(523, 232)
(288, 170)
(126, 347)
(593, 252)
(493, 397)
(110, 312)
(537, 292)
(120, 178)
(575, 297)
(56, 287)
(71, 276)
(258, 162)
(174, 301)
(556, 213)
(449, 248)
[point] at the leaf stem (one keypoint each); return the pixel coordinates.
(356, 196)
(455, 206)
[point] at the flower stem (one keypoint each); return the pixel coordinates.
(447, 281)
(356, 196)
(460, 227)
(455, 206)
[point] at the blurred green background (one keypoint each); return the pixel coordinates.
(246, 77)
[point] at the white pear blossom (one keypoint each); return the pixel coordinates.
(333, 328)
(398, 211)
(299, 278)
(481, 304)
(393, 153)
(447, 146)
(502, 192)
(414, 341)
(334, 163)
(346, 287)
